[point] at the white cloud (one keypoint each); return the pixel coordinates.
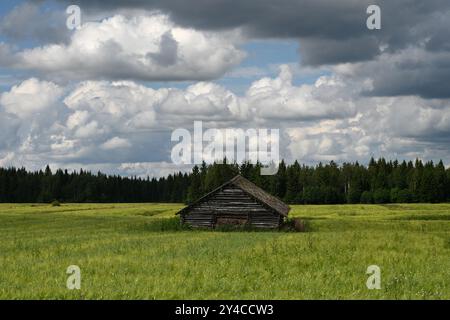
(116, 143)
(152, 169)
(30, 97)
(90, 130)
(76, 119)
(142, 47)
(90, 123)
(326, 121)
(279, 99)
(62, 145)
(203, 101)
(101, 107)
(6, 159)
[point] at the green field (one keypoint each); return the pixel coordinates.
(138, 251)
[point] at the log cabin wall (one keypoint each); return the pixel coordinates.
(231, 205)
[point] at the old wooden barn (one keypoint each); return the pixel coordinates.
(237, 202)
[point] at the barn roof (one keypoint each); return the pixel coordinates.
(251, 189)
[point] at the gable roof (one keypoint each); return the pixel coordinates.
(251, 189)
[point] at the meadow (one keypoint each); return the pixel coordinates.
(139, 251)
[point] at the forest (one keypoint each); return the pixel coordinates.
(381, 181)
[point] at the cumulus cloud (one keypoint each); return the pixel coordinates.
(114, 104)
(393, 127)
(404, 22)
(198, 40)
(146, 47)
(327, 120)
(152, 169)
(116, 143)
(9, 125)
(31, 97)
(30, 115)
(279, 99)
(368, 93)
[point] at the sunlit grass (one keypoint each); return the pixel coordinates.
(139, 251)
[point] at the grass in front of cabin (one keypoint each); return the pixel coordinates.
(139, 251)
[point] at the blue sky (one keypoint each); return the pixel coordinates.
(7, 5)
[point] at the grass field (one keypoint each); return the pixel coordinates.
(138, 251)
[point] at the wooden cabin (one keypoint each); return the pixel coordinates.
(237, 202)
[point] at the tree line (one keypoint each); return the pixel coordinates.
(380, 181)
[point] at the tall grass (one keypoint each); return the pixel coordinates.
(140, 251)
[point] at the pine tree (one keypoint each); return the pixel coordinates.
(380, 181)
(194, 191)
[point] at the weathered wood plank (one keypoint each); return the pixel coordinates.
(231, 205)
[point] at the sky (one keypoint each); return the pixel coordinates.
(107, 95)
